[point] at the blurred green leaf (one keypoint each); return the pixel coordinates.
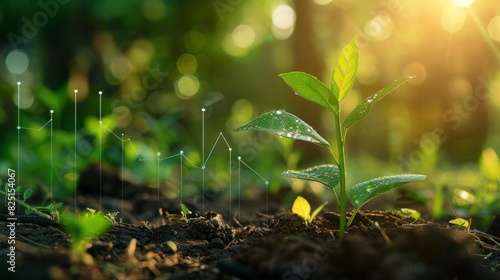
(363, 192)
(286, 125)
(366, 105)
(344, 71)
(310, 88)
(490, 164)
(27, 194)
(327, 174)
(460, 222)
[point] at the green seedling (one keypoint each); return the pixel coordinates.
(185, 211)
(49, 212)
(84, 229)
(287, 125)
(171, 244)
(460, 222)
(302, 208)
(408, 213)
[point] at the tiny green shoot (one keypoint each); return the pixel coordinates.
(84, 229)
(460, 222)
(302, 208)
(409, 213)
(185, 211)
(288, 125)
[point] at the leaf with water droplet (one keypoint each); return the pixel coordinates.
(363, 108)
(286, 125)
(363, 192)
(327, 174)
(344, 71)
(310, 88)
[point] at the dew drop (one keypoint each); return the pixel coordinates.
(369, 100)
(309, 138)
(279, 112)
(289, 135)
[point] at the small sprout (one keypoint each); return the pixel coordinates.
(171, 244)
(185, 211)
(27, 194)
(409, 213)
(287, 125)
(302, 208)
(84, 229)
(460, 222)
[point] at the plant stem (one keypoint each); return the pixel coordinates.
(342, 174)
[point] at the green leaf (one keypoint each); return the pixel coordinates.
(310, 88)
(408, 212)
(302, 208)
(286, 125)
(363, 192)
(27, 194)
(366, 105)
(316, 211)
(327, 174)
(460, 222)
(344, 71)
(185, 211)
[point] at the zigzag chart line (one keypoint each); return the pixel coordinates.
(159, 159)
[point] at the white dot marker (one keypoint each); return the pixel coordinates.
(181, 152)
(203, 167)
(18, 127)
(100, 92)
(18, 83)
(267, 183)
(75, 91)
(158, 154)
(239, 158)
(52, 111)
(100, 121)
(203, 109)
(230, 149)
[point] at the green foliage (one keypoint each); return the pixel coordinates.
(363, 192)
(287, 125)
(460, 222)
(185, 211)
(302, 208)
(85, 228)
(407, 212)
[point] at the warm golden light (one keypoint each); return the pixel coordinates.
(463, 3)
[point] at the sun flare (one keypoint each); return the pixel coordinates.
(463, 3)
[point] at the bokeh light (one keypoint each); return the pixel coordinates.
(17, 62)
(187, 86)
(243, 36)
(380, 27)
(463, 3)
(494, 28)
(453, 19)
(187, 64)
(154, 10)
(283, 18)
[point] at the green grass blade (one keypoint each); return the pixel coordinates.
(310, 88)
(344, 71)
(363, 108)
(363, 192)
(317, 210)
(286, 125)
(327, 174)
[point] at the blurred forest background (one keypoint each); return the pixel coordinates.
(158, 62)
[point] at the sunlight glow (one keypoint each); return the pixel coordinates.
(453, 19)
(380, 27)
(494, 28)
(463, 3)
(187, 86)
(283, 21)
(243, 36)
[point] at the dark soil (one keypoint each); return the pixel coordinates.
(378, 245)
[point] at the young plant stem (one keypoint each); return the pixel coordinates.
(342, 175)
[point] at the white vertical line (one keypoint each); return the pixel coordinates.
(75, 91)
